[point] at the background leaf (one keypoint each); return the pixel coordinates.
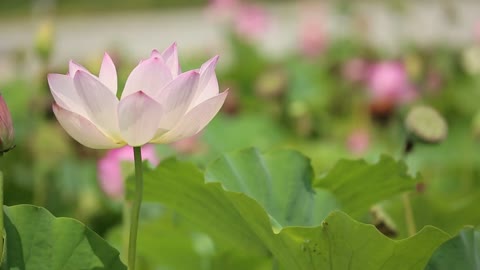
(280, 181)
(358, 185)
(460, 252)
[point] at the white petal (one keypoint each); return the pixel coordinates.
(176, 98)
(64, 93)
(99, 102)
(139, 115)
(74, 67)
(170, 56)
(194, 121)
(208, 84)
(108, 74)
(82, 130)
(150, 76)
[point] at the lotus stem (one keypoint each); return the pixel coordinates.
(2, 234)
(407, 206)
(409, 218)
(135, 210)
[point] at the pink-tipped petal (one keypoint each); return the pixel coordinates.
(208, 84)
(64, 93)
(170, 56)
(150, 76)
(99, 102)
(139, 116)
(155, 53)
(194, 121)
(176, 98)
(108, 74)
(82, 130)
(74, 67)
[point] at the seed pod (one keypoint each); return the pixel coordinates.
(426, 124)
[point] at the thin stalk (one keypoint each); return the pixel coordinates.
(407, 205)
(2, 234)
(126, 228)
(135, 213)
(409, 218)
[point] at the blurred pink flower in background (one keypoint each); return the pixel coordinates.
(476, 32)
(358, 142)
(355, 70)
(222, 9)
(250, 21)
(313, 38)
(388, 81)
(110, 168)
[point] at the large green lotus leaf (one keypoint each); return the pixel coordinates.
(36, 240)
(343, 243)
(281, 181)
(358, 185)
(460, 252)
(241, 221)
(165, 242)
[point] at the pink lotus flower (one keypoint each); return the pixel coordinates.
(110, 168)
(313, 38)
(388, 81)
(222, 6)
(7, 135)
(251, 21)
(358, 142)
(476, 32)
(159, 104)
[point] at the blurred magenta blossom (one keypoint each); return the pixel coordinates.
(476, 32)
(388, 81)
(222, 10)
(251, 21)
(159, 103)
(110, 168)
(313, 38)
(7, 134)
(358, 142)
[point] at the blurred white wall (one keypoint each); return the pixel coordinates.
(87, 36)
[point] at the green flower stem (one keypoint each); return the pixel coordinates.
(409, 218)
(135, 210)
(126, 228)
(2, 234)
(407, 205)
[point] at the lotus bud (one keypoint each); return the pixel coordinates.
(6, 128)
